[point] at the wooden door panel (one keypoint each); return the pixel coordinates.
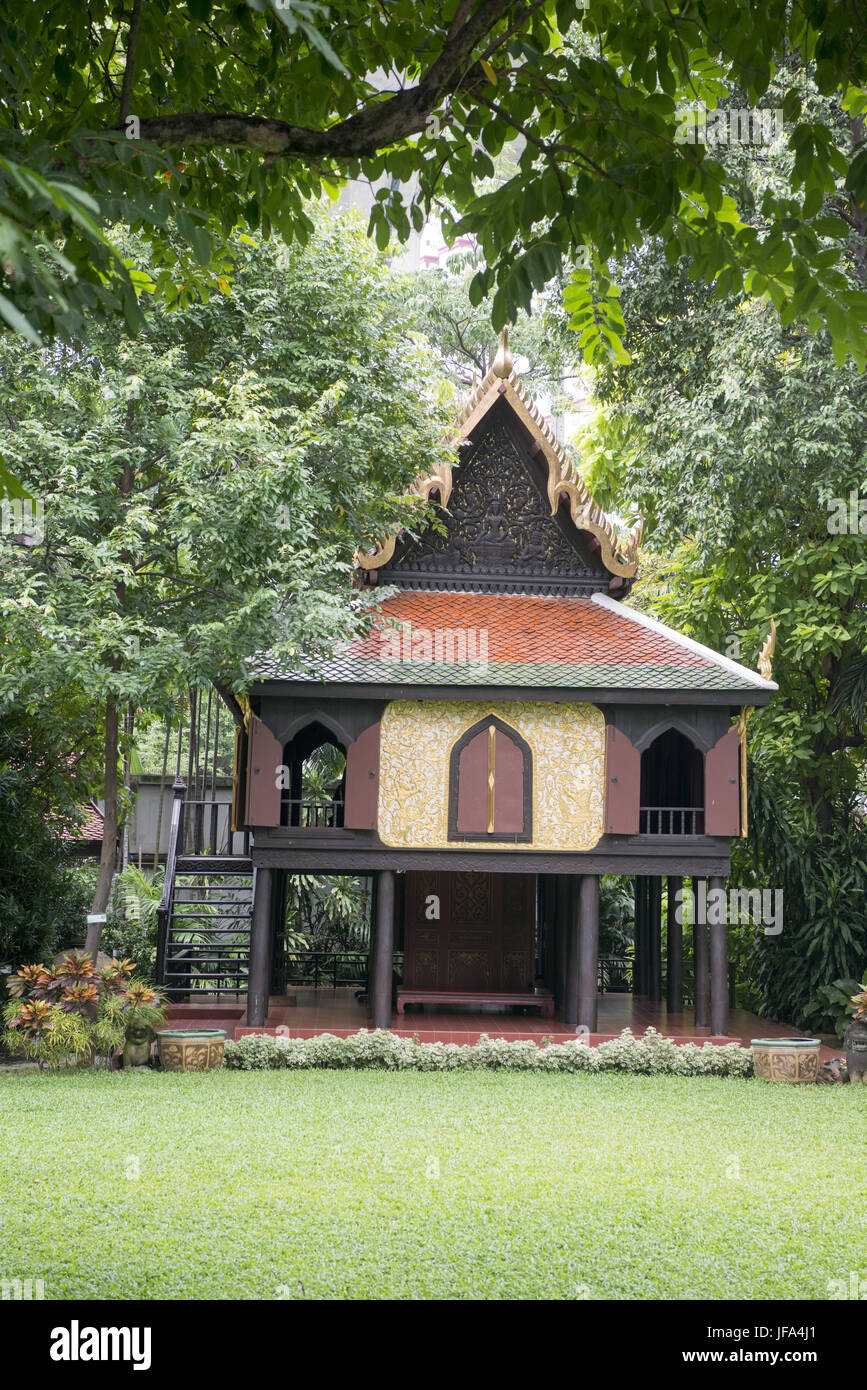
(484, 938)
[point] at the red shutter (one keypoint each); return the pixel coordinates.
(622, 783)
(239, 780)
(473, 786)
(722, 786)
(264, 761)
(362, 781)
(508, 786)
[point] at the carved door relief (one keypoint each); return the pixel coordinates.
(483, 938)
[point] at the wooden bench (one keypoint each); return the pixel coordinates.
(543, 999)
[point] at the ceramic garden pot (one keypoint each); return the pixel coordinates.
(786, 1059)
(855, 1043)
(191, 1049)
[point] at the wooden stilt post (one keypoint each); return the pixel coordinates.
(371, 941)
(719, 985)
(639, 985)
(654, 933)
(561, 940)
(382, 962)
(570, 993)
(701, 992)
(261, 950)
(674, 951)
(588, 951)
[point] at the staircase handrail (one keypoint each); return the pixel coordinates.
(164, 910)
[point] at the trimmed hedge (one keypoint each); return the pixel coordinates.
(383, 1051)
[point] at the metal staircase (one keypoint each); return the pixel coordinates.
(205, 916)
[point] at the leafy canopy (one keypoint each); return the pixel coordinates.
(200, 116)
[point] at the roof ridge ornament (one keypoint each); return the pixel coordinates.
(765, 664)
(503, 362)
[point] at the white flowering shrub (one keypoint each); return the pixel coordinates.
(651, 1054)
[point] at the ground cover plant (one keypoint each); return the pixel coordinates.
(339, 1184)
(383, 1051)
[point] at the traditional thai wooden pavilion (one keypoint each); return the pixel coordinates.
(512, 730)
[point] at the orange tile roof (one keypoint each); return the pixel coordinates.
(518, 641)
(526, 628)
(91, 827)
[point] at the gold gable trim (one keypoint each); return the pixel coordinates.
(619, 554)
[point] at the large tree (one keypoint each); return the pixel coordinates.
(200, 115)
(204, 486)
(734, 434)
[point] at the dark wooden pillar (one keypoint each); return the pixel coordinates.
(561, 940)
(570, 991)
(639, 959)
(382, 959)
(654, 939)
(371, 940)
(674, 951)
(700, 957)
(261, 949)
(719, 985)
(588, 951)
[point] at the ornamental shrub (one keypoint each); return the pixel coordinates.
(71, 1008)
(383, 1051)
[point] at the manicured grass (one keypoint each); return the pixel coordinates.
(324, 1184)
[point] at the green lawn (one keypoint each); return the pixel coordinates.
(324, 1184)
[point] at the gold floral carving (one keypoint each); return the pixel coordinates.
(568, 747)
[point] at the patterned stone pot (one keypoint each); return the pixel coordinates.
(786, 1059)
(191, 1049)
(855, 1043)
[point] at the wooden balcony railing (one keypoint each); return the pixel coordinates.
(310, 814)
(671, 820)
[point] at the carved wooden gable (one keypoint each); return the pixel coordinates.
(499, 532)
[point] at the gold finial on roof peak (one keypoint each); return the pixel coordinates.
(503, 363)
(767, 652)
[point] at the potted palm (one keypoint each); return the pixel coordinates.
(855, 1039)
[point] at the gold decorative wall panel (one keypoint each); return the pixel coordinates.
(568, 747)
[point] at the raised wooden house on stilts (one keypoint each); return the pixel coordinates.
(512, 731)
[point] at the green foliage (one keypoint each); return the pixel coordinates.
(229, 460)
(732, 433)
(835, 1001)
(205, 488)
(131, 928)
(72, 1009)
(650, 1054)
(616, 914)
(442, 309)
(329, 914)
(43, 895)
(191, 120)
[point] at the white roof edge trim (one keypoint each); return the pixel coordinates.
(615, 606)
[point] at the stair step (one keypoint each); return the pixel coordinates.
(211, 902)
(211, 916)
(213, 864)
(241, 929)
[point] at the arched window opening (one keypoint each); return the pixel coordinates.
(314, 779)
(491, 784)
(672, 786)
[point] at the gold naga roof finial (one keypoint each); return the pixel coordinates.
(503, 363)
(767, 652)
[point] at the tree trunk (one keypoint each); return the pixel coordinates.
(108, 854)
(162, 795)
